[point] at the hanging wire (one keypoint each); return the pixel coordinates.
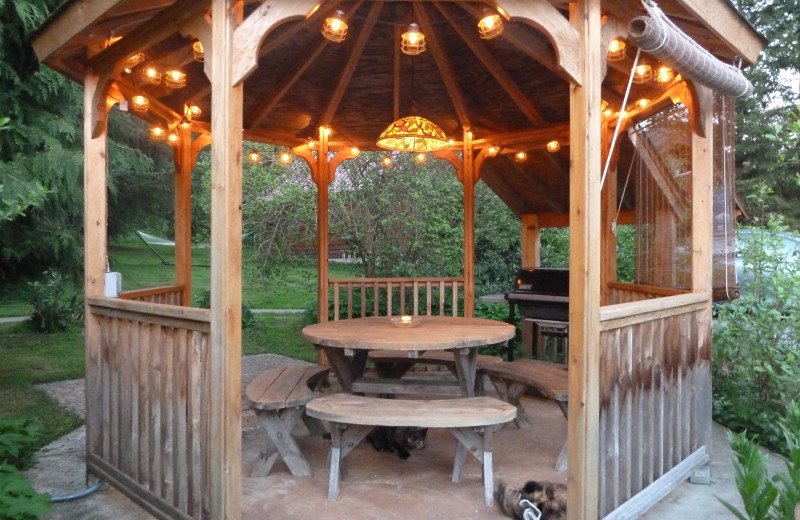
(619, 119)
(624, 189)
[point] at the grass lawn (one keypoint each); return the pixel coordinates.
(30, 358)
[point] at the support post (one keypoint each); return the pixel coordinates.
(584, 289)
(531, 241)
(323, 177)
(225, 357)
(95, 221)
(469, 178)
(183, 215)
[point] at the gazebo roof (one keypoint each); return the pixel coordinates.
(510, 91)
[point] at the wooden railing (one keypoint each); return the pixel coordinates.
(148, 401)
(360, 297)
(655, 399)
(168, 295)
(630, 292)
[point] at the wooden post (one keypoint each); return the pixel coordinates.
(323, 178)
(225, 409)
(584, 289)
(469, 178)
(703, 248)
(183, 215)
(609, 212)
(95, 221)
(531, 241)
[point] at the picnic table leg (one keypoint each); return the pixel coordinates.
(279, 426)
(347, 368)
(466, 361)
(343, 439)
(478, 442)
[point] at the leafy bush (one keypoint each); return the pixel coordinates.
(755, 363)
(248, 318)
(57, 303)
(18, 499)
(764, 497)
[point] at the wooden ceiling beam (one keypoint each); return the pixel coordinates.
(445, 71)
(530, 137)
(352, 61)
(159, 28)
(75, 19)
(500, 75)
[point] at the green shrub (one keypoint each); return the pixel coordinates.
(17, 442)
(756, 345)
(248, 318)
(57, 303)
(766, 497)
(18, 499)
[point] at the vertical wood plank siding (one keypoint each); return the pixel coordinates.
(168, 295)
(394, 296)
(655, 364)
(152, 386)
(628, 292)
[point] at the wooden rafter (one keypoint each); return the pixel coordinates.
(350, 67)
(531, 137)
(445, 71)
(70, 24)
(494, 68)
(158, 28)
(263, 109)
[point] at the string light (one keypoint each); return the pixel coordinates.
(193, 112)
(173, 139)
(616, 50)
(286, 157)
(157, 133)
(664, 75)
(421, 158)
(175, 79)
(354, 151)
(386, 161)
(493, 150)
(151, 75)
(254, 157)
(140, 103)
(134, 60)
(198, 52)
(642, 103)
(553, 146)
(642, 74)
(521, 157)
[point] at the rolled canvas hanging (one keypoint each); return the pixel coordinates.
(655, 34)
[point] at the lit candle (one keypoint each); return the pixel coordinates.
(405, 320)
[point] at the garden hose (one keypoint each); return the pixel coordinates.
(80, 494)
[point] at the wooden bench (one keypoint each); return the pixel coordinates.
(354, 416)
(513, 379)
(278, 397)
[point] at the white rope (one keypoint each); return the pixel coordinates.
(531, 512)
(619, 119)
(624, 188)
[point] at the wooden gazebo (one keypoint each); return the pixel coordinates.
(163, 379)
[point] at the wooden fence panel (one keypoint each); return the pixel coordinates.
(150, 424)
(653, 396)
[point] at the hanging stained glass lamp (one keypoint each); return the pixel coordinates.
(413, 134)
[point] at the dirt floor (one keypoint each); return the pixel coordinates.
(377, 484)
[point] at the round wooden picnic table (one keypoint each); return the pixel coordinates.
(347, 343)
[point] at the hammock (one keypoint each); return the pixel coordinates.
(655, 34)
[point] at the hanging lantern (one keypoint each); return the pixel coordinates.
(421, 158)
(386, 161)
(254, 157)
(642, 103)
(520, 157)
(175, 79)
(173, 139)
(140, 103)
(185, 124)
(198, 52)
(354, 151)
(413, 134)
(553, 146)
(151, 75)
(493, 150)
(490, 26)
(335, 29)
(412, 41)
(616, 50)
(311, 144)
(642, 74)
(157, 133)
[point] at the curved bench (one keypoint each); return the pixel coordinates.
(278, 397)
(467, 419)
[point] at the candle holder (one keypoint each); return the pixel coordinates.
(405, 321)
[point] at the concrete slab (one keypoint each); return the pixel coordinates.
(377, 484)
